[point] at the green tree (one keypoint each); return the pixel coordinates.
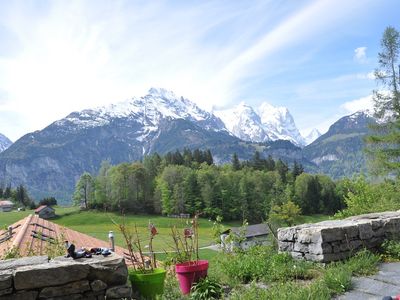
(235, 162)
(21, 196)
(307, 193)
(84, 190)
(103, 186)
(384, 145)
(285, 214)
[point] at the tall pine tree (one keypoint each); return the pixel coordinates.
(384, 145)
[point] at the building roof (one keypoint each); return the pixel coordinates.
(6, 203)
(41, 207)
(30, 236)
(251, 230)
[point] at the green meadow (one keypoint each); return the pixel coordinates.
(98, 224)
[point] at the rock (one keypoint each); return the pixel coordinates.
(286, 246)
(23, 295)
(365, 231)
(11, 264)
(320, 248)
(288, 234)
(336, 239)
(69, 297)
(98, 285)
(112, 271)
(6, 291)
(118, 292)
(332, 234)
(67, 289)
(5, 280)
(55, 273)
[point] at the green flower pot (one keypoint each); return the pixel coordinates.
(148, 284)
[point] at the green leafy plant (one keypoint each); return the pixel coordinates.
(391, 250)
(206, 289)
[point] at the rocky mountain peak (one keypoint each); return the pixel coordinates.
(5, 142)
(312, 136)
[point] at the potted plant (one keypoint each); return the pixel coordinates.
(143, 272)
(189, 268)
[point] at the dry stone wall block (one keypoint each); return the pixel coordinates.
(118, 292)
(67, 289)
(337, 239)
(5, 280)
(22, 295)
(286, 246)
(332, 234)
(98, 285)
(287, 235)
(40, 276)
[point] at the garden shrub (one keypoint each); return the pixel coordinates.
(206, 289)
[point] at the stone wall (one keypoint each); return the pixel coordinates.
(36, 277)
(335, 240)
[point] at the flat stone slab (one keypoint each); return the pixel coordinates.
(11, 264)
(385, 283)
(33, 277)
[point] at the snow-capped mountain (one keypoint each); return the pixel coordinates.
(243, 122)
(264, 124)
(312, 136)
(148, 110)
(4, 142)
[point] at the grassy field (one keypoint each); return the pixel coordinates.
(98, 224)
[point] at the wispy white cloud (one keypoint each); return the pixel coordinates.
(360, 54)
(362, 103)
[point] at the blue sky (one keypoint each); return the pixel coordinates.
(314, 57)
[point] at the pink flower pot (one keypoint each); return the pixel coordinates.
(190, 272)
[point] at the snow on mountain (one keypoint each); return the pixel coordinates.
(312, 136)
(243, 122)
(148, 110)
(280, 123)
(266, 124)
(4, 142)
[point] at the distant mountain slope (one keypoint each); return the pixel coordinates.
(339, 152)
(267, 123)
(5, 142)
(50, 161)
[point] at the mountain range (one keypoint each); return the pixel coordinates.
(267, 123)
(50, 161)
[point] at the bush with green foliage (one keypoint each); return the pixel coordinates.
(361, 197)
(391, 250)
